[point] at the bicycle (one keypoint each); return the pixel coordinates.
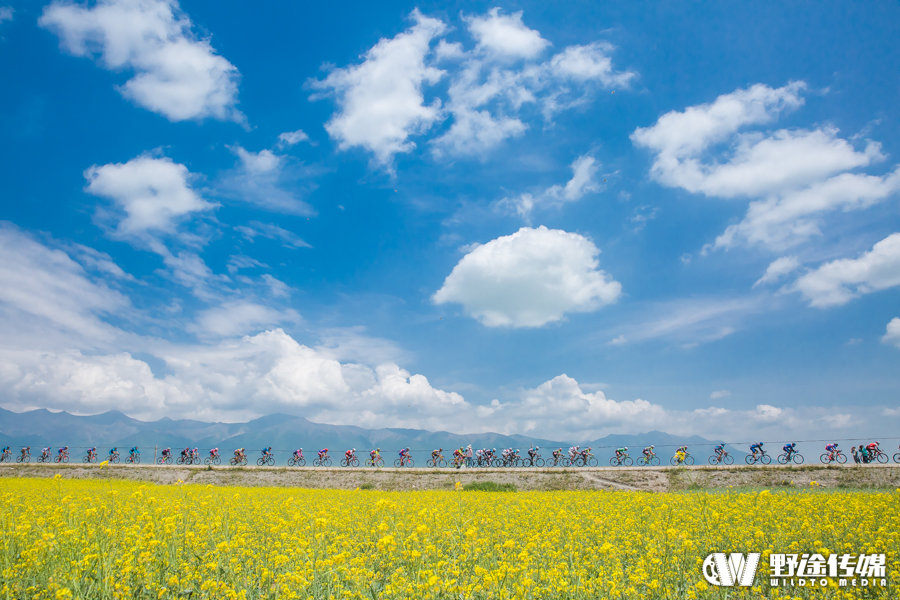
(752, 459)
(297, 461)
(405, 461)
(89, 458)
(644, 460)
(830, 457)
(165, 459)
(213, 459)
(436, 461)
(236, 461)
(322, 461)
(267, 459)
(586, 459)
(880, 456)
(618, 461)
(114, 458)
(133, 459)
(718, 459)
(62, 458)
(685, 459)
(350, 462)
(44, 457)
(533, 460)
(23, 457)
(786, 458)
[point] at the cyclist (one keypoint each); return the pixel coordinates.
(5, 454)
(195, 453)
(350, 454)
(239, 455)
(620, 452)
(26, 451)
(45, 453)
(298, 453)
(790, 448)
(587, 453)
(533, 453)
(756, 448)
(133, 452)
(113, 453)
(681, 453)
(63, 452)
(557, 455)
(186, 453)
(648, 451)
(436, 454)
(831, 449)
(267, 452)
(404, 455)
(375, 454)
(323, 453)
(574, 451)
(873, 450)
(214, 453)
(719, 450)
(92, 453)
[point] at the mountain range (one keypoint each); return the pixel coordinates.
(39, 428)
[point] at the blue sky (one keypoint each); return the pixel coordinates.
(562, 220)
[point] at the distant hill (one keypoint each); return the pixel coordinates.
(39, 428)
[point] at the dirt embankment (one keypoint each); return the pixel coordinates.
(650, 479)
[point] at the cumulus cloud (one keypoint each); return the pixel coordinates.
(381, 100)
(292, 138)
(153, 193)
(892, 336)
(838, 282)
(583, 171)
(262, 179)
(778, 269)
(793, 177)
(177, 74)
(529, 278)
(506, 36)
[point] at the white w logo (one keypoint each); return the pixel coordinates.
(726, 570)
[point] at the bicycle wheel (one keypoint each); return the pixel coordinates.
(355, 462)
(398, 462)
(344, 462)
(750, 459)
(841, 458)
(260, 462)
(824, 459)
(798, 458)
(782, 459)
(713, 460)
(539, 462)
(882, 457)
(292, 461)
(137, 459)
(728, 459)
(765, 459)
(207, 461)
(159, 460)
(673, 461)
(628, 462)
(430, 463)
(565, 461)
(593, 462)
(301, 462)
(897, 458)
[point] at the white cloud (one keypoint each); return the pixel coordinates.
(837, 282)
(892, 336)
(529, 278)
(778, 269)
(719, 394)
(277, 288)
(292, 138)
(792, 176)
(237, 262)
(583, 170)
(176, 74)
(271, 231)
(506, 36)
(261, 178)
(6, 13)
(590, 62)
(381, 100)
(47, 289)
(240, 317)
(154, 193)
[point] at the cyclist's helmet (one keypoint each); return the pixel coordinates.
(377, 449)
(626, 448)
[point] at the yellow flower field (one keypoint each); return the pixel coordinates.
(114, 539)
